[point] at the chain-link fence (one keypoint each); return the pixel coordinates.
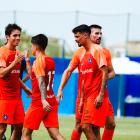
(118, 29)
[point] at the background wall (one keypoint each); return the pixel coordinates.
(119, 88)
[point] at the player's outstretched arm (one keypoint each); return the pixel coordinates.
(80, 109)
(43, 92)
(27, 76)
(65, 77)
(28, 63)
(111, 72)
(4, 71)
(99, 99)
(26, 89)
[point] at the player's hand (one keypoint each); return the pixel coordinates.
(26, 54)
(99, 101)
(80, 108)
(46, 106)
(59, 95)
(18, 58)
(28, 92)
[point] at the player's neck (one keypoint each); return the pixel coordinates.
(39, 53)
(88, 45)
(10, 47)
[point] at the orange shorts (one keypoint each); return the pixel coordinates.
(35, 115)
(95, 116)
(11, 111)
(110, 111)
(77, 115)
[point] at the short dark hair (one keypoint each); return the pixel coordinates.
(41, 40)
(82, 29)
(10, 28)
(95, 26)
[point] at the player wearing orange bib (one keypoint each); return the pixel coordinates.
(12, 110)
(96, 35)
(44, 106)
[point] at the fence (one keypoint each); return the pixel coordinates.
(117, 29)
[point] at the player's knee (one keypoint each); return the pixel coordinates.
(113, 125)
(55, 135)
(85, 128)
(25, 132)
(78, 127)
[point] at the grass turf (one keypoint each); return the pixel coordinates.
(126, 129)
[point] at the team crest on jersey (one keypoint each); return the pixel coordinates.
(90, 60)
(5, 117)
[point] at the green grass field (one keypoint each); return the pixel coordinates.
(126, 129)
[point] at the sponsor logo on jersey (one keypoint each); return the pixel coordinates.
(86, 112)
(87, 71)
(90, 60)
(5, 117)
(50, 96)
(15, 71)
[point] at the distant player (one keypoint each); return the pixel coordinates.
(95, 76)
(44, 106)
(96, 35)
(12, 110)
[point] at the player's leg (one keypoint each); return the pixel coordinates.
(17, 133)
(51, 123)
(109, 128)
(55, 134)
(78, 127)
(27, 133)
(6, 114)
(88, 131)
(18, 119)
(2, 129)
(93, 116)
(97, 132)
(33, 118)
(77, 131)
(110, 124)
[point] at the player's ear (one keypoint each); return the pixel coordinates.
(85, 35)
(7, 36)
(37, 48)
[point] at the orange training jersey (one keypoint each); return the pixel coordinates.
(43, 66)
(75, 61)
(9, 85)
(91, 73)
(108, 56)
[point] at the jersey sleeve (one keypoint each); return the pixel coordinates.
(100, 57)
(74, 61)
(2, 61)
(39, 67)
(108, 56)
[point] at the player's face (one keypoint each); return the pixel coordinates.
(96, 35)
(14, 37)
(33, 48)
(79, 38)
